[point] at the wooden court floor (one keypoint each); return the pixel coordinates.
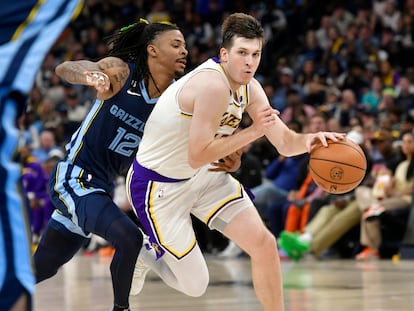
(340, 285)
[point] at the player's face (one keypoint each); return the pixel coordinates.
(172, 54)
(242, 59)
(407, 145)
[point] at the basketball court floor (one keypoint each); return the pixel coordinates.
(310, 285)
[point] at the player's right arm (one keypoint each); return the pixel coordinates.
(108, 75)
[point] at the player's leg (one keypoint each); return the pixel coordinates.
(223, 204)
(56, 247)
(167, 221)
(188, 274)
(247, 230)
(97, 213)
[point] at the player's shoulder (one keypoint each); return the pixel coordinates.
(208, 83)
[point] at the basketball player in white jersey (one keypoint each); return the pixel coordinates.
(191, 126)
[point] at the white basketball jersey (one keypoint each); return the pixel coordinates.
(164, 145)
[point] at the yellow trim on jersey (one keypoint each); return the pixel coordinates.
(156, 227)
(61, 199)
(75, 154)
(246, 95)
(78, 10)
(222, 204)
(79, 179)
(28, 20)
(35, 10)
(186, 115)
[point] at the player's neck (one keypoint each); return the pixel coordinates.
(157, 84)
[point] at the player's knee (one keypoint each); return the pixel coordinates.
(54, 250)
(125, 237)
(264, 246)
(196, 286)
(131, 244)
(44, 267)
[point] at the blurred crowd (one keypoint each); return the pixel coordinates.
(343, 66)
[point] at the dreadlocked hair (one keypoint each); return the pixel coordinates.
(130, 44)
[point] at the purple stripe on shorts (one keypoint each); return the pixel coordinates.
(140, 189)
(152, 175)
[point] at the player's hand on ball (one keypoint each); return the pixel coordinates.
(322, 137)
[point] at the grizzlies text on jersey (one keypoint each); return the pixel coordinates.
(111, 138)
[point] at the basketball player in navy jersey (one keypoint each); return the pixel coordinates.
(144, 59)
(28, 29)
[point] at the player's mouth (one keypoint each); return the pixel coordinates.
(182, 62)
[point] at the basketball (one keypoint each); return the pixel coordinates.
(338, 168)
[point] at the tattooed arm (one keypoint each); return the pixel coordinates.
(108, 75)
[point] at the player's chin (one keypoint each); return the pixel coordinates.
(246, 79)
(180, 68)
(180, 71)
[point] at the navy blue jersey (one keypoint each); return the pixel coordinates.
(108, 138)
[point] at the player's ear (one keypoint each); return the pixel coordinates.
(151, 50)
(223, 55)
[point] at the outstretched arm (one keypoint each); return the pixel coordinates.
(285, 140)
(107, 76)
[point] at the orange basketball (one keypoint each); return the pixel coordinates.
(338, 168)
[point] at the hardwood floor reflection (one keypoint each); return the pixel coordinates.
(341, 285)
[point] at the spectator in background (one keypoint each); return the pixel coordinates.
(335, 73)
(299, 204)
(322, 33)
(355, 79)
(48, 114)
(75, 109)
(382, 151)
(55, 92)
(372, 97)
(296, 109)
(46, 72)
(391, 17)
(47, 144)
(202, 33)
(404, 96)
(158, 12)
(387, 103)
(389, 75)
(29, 130)
(310, 50)
(35, 181)
(346, 109)
(395, 193)
(366, 43)
(342, 18)
(286, 85)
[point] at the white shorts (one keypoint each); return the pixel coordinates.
(164, 206)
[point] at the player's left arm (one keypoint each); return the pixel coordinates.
(107, 75)
(285, 140)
